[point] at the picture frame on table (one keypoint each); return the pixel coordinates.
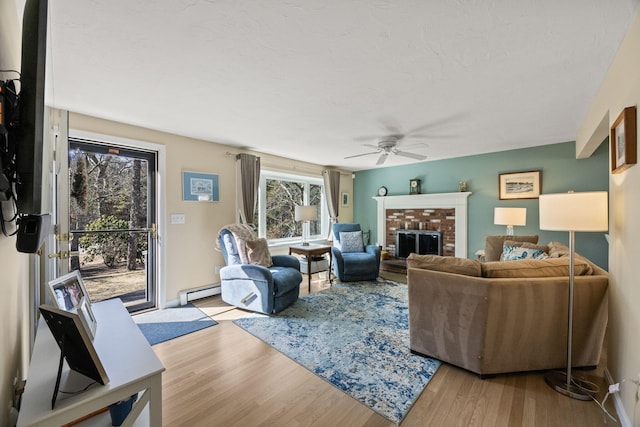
(520, 185)
(75, 343)
(87, 318)
(624, 141)
(68, 291)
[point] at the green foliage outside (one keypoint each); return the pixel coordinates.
(282, 198)
(113, 247)
(108, 192)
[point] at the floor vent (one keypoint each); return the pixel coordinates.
(189, 295)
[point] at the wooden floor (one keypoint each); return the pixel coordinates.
(223, 376)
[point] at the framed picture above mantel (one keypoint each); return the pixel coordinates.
(520, 185)
(624, 141)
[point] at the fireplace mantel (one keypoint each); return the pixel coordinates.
(456, 200)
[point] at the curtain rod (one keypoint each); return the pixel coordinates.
(294, 167)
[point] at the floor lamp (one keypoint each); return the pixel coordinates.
(572, 212)
(510, 217)
(306, 214)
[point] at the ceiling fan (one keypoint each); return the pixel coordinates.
(387, 145)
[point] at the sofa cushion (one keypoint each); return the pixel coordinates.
(529, 268)
(522, 250)
(493, 245)
(467, 267)
(351, 241)
(258, 252)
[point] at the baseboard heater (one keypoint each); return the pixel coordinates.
(189, 295)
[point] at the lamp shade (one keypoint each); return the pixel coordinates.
(586, 211)
(306, 213)
(510, 216)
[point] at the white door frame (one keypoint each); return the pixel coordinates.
(161, 199)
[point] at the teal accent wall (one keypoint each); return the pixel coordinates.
(561, 172)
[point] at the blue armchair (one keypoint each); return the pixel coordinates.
(255, 287)
(352, 259)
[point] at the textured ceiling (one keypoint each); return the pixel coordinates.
(315, 80)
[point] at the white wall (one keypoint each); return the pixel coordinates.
(14, 283)
(621, 88)
(190, 254)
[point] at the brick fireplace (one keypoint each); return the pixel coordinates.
(444, 212)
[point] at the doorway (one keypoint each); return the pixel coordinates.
(112, 217)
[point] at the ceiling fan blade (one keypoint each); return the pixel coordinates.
(410, 155)
(382, 158)
(363, 154)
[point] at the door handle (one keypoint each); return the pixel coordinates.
(64, 254)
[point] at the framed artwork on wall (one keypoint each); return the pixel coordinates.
(520, 185)
(624, 141)
(200, 187)
(345, 199)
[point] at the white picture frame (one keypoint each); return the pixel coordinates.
(87, 318)
(68, 291)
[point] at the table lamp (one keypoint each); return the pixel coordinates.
(572, 212)
(306, 214)
(510, 217)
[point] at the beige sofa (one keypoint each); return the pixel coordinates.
(505, 316)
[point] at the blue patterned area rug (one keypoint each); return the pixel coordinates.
(356, 336)
(164, 325)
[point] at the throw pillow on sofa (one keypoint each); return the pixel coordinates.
(557, 250)
(512, 250)
(493, 245)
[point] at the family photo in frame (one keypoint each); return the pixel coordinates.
(68, 293)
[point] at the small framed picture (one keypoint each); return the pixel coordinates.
(68, 291)
(200, 187)
(519, 185)
(624, 141)
(345, 199)
(87, 318)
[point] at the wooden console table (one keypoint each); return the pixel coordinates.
(127, 357)
(309, 251)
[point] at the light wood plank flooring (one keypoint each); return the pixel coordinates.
(223, 376)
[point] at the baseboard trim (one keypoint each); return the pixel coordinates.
(189, 295)
(620, 412)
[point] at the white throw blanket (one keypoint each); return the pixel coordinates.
(241, 233)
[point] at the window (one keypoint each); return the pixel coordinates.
(279, 195)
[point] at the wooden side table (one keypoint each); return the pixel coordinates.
(309, 251)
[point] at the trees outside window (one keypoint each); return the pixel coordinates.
(279, 195)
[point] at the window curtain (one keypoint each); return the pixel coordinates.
(247, 181)
(332, 194)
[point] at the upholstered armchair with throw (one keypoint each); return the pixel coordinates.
(253, 279)
(352, 259)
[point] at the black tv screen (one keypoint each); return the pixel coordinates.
(28, 137)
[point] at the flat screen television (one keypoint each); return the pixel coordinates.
(28, 137)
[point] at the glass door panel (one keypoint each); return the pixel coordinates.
(112, 221)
